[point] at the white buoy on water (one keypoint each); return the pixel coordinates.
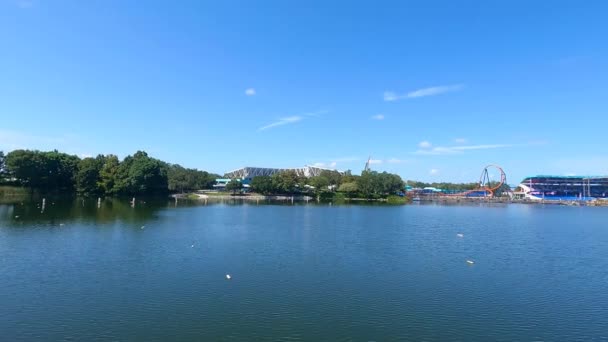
(470, 262)
(142, 227)
(228, 276)
(460, 235)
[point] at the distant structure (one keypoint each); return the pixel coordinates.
(248, 173)
(564, 188)
(367, 168)
(486, 187)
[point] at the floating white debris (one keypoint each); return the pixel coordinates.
(16, 216)
(228, 276)
(460, 235)
(142, 227)
(61, 225)
(192, 246)
(470, 262)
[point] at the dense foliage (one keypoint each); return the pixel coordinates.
(182, 179)
(370, 184)
(103, 175)
(459, 187)
(234, 186)
(1, 166)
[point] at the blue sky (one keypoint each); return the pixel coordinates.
(432, 90)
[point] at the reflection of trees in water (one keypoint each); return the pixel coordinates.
(83, 210)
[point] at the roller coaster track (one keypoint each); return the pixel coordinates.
(484, 183)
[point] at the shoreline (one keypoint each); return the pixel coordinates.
(437, 200)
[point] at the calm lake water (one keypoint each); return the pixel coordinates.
(303, 272)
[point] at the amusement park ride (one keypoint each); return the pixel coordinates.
(485, 183)
(487, 186)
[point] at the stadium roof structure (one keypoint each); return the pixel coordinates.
(250, 172)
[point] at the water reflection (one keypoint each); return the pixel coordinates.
(61, 211)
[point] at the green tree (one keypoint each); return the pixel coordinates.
(60, 170)
(108, 174)
(234, 186)
(47, 171)
(177, 178)
(366, 183)
(285, 182)
(25, 167)
(88, 176)
(263, 185)
(334, 178)
(181, 179)
(373, 184)
(349, 188)
(140, 174)
(320, 183)
(2, 171)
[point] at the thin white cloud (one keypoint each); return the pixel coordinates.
(250, 91)
(24, 4)
(460, 140)
(333, 164)
(425, 144)
(346, 159)
(13, 140)
(443, 150)
(480, 147)
(317, 113)
(434, 172)
(390, 96)
(396, 161)
(281, 122)
(375, 161)
(431, 91)
(292, 119)
(318, 164)
(378, 117)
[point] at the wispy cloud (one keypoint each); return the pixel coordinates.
(346, 159)
(332, 163)
(425, 144)
(250, 91)
(398, 161)
(375, 161)
(442, 150)
(460, 140)
(390, 96)
(24, 4)
(12, 140)
(378, 117)
(281, 122)
(317, 113)
(434, 172)
(292, 119)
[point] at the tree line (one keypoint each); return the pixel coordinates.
(370, 184)
(137, 174)
(460, 187)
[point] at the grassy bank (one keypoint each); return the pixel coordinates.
(12, 191)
